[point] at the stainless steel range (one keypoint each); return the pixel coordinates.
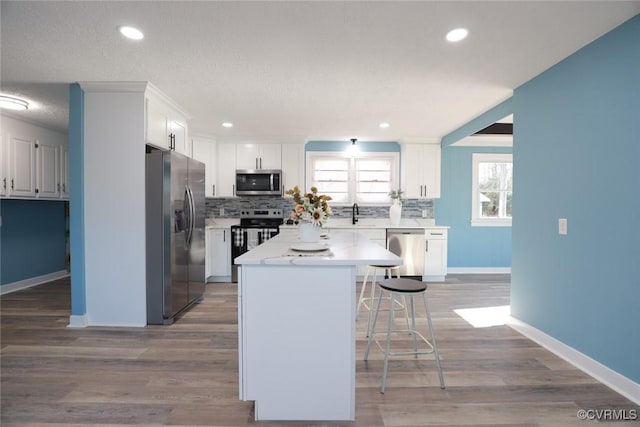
(256, 226)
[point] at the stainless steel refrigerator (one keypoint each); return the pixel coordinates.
(175, 205)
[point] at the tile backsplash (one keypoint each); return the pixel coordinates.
(411, 208)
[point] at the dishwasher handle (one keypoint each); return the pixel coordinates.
(405, 231)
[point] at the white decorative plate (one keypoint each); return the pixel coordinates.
(309, 247)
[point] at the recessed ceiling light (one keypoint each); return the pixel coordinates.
(227, 125)
(12, 103)
(384, 125)
(130, 32)
(457, 34)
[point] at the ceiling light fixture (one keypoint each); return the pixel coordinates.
(227, 125)
(457, 34)
(353, 148)
(130, 32)
(12, 103)
(383, 125)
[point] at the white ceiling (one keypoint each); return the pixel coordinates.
(294, 71)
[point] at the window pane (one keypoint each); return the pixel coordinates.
(373, 198)
(384, 176)
(323, 175)
(373, 164)
(495, 204)
(495, 176)
(331, 164)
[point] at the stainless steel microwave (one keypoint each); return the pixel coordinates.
(258, 182)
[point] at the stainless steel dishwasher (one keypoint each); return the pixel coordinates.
(410, 245)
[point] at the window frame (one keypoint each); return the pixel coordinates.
(476, 219)
(352, 183)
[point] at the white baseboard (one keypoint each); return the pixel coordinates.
(78, 321)
(602, 373)
(478, 270)
(33, 281)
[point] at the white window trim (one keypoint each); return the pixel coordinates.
(395, 172)
(477, 221)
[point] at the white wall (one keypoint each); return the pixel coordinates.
(114, 208)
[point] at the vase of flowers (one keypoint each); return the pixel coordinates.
(395, 210)
(311, 211)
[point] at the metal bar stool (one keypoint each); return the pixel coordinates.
(403, 288)
(367, 302)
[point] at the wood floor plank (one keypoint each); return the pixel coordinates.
(186, 374)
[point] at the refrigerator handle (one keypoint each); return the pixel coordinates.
(192, 215)
(187, 216)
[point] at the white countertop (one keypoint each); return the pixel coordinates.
(345, 248)
(337, 223)
(222, 222)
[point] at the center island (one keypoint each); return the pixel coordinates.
(296, 325)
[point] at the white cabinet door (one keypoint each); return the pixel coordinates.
(226, 170)
(421, 171)
(292, 170)
(4, 171)
(178, 131)
(47, 171)
(247, 156)
(258, 156)
(218, 253)
(156, 125)
(270, 156)
(221, 257)
(435, 262)
(22, 161)
(204, 150)
(64, 172)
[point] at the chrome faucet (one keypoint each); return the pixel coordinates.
(355, 210)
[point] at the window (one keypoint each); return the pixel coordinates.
(366, 178)
(492, 191)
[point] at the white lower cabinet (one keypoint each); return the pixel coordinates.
(435, 262)
(218, 255)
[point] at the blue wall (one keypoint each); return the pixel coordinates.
(577, 156)
(468, 246)
(33, 239)
(76, 207)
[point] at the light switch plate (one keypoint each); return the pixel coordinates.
(562, 226)
(424, 213)
(221, 211)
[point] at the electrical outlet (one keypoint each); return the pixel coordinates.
(562, 226)
(221, 211)
(424, 213)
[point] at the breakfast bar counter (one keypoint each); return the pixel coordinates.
(296, 325)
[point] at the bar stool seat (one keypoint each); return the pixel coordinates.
(368, 302)
(403, 288)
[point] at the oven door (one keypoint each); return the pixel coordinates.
(259, 182)
(245, 238)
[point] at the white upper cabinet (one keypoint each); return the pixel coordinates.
(165, 123)
(421, 171)
(204, 150)
(47, 170)
(226, 170)
(64, 172)
(292, 166)
(22, 167)
(258, 156)
(33, 161)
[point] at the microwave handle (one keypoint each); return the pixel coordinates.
(271, 181)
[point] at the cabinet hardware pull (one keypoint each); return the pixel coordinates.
(37, 191)
(256, 163)
(427, 246)
(12, 184)
(233, 190)
(260, 162)
(58, 187)
(214, 189)
(4, 183)
(224, 235)
(64, 187)
(420, 190)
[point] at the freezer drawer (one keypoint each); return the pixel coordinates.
(410, 245)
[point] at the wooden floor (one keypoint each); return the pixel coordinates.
(187, 373)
